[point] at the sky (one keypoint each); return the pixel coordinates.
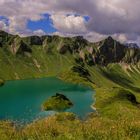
(93, 19)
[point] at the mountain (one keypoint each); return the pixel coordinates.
(102, 52)
(112, 69)
(34, 56)
(132, 45)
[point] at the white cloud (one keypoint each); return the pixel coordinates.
(94, 36)
(120, 37)
(115, 16)
(3, 26)
(39, 32)
(17, 24)
(69, 24)
(107, 17)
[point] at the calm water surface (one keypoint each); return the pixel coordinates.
(21, 100)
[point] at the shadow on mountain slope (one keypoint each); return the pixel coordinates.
(120, 80)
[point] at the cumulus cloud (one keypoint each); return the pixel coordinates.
(94, 36)
(3, 26)
(39, 32)
(119, 18)
(69, 24)
(116, 16)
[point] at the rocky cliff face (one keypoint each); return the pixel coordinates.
(102, 52)
(111, 51)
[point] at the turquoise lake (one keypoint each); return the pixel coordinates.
(21, 100)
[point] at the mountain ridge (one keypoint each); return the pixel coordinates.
(103, 52)
(115, 79)
(34, 56)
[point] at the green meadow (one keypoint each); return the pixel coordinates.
(115, 82)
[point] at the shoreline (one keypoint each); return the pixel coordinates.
(72, 82)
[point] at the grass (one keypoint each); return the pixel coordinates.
(117, 89)
(39, 64)
(117, 116)
(65, 126)
(58, 102)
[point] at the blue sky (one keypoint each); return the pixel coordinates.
(3, 18)
(44, 24)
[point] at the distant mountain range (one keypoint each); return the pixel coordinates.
(34, 56)
(102, 52)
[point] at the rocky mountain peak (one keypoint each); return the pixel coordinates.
(109, 40)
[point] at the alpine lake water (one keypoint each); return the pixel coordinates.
(21, 100)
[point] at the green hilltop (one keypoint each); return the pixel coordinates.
(111, 68)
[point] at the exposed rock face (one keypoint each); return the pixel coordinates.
(14, 44)
(132, 55)
(34, 40)
(110, 51)
(24, 48)
(63, 49)
(99, 53)
(4, 38)
(132, 45)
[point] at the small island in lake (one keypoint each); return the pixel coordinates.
(59, 102)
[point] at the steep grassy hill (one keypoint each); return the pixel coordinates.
(111, 68)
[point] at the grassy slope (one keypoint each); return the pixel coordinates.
(117, 117)
(112, 89)
(39, 64)
(112, 98)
